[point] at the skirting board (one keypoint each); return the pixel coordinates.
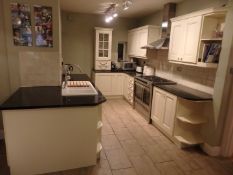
(211, 150)
(1, 134)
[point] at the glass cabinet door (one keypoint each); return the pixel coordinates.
(103, 44)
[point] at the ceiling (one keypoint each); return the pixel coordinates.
(138, 8)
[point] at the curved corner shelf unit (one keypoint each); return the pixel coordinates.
(192, 119)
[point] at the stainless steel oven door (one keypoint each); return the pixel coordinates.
(142, 98)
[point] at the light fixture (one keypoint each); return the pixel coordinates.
(108, 19)
(115, 14)
(112, 11)
(126, 4)
(164, 24)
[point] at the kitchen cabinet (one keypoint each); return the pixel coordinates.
(184, 40)
(110, 84)
(128, 91)
(103, 48)
(115, 84)
(140, 37)
(104, 83)
(192, 36)
(163, 110)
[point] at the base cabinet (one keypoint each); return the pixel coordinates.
(128, 91)
(163, 110)
(110, 84)
(104, 83)
(115, 84)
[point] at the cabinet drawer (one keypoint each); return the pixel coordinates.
(103, 65)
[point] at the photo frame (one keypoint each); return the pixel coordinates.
(21, 24)
(43, 26)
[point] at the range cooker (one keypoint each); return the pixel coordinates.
(143, 93)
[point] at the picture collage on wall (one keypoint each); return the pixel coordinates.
(22, 26)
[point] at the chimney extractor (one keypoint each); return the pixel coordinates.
(169, 11)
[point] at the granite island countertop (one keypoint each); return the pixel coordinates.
(50, 97)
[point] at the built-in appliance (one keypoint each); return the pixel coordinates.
(128, 65)
(169, 11)
(143, 93)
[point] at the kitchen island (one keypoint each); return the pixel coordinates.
(46, 132)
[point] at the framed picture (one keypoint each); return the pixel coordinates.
(21, 24)
(43, 26)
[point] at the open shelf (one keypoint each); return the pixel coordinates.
(211, 39)
(207, 65)
(194, 140)
(192, 119)
(99, 125)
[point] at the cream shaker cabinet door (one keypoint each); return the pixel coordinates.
(176, 40)
(192, 37)
(143, 40)
(104, 83)
(117, 84)
(130, 43)
(158, 106)
(169, 114)
(125, 89)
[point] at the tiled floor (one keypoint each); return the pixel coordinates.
(133, 147)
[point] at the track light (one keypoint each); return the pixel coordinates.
(115, 15)
(108, 19)
(126, 4)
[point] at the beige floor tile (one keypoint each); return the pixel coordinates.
(132, 148)
(129, 171)
(106, 129)
(157, 154)
(152, 131)
(123, 134)
(143, 165)
(184, 162)
(118, 159)
(169, 168)
(110, 142)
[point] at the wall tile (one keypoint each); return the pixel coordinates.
(40, 68)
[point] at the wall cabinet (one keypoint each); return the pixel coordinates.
(140, 37)
(103, 48)
(163, 110)
(196, 38)
(184, 40)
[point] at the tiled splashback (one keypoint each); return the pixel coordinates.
(195, 77)
(40, 68)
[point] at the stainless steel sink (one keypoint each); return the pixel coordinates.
(78, 88)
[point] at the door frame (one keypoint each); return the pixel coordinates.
(227, 142)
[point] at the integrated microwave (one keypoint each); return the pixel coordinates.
(128, 65)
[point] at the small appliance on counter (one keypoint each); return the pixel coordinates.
(139, 69)
(128, 65)
(148, 71)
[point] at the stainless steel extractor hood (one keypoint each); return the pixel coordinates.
(169, 12)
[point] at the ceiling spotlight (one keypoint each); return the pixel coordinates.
(108, 19)
(126, 4)
(115, 15)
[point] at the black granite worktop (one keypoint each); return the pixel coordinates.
(128, 72)
(50, 97)
(186, 92)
